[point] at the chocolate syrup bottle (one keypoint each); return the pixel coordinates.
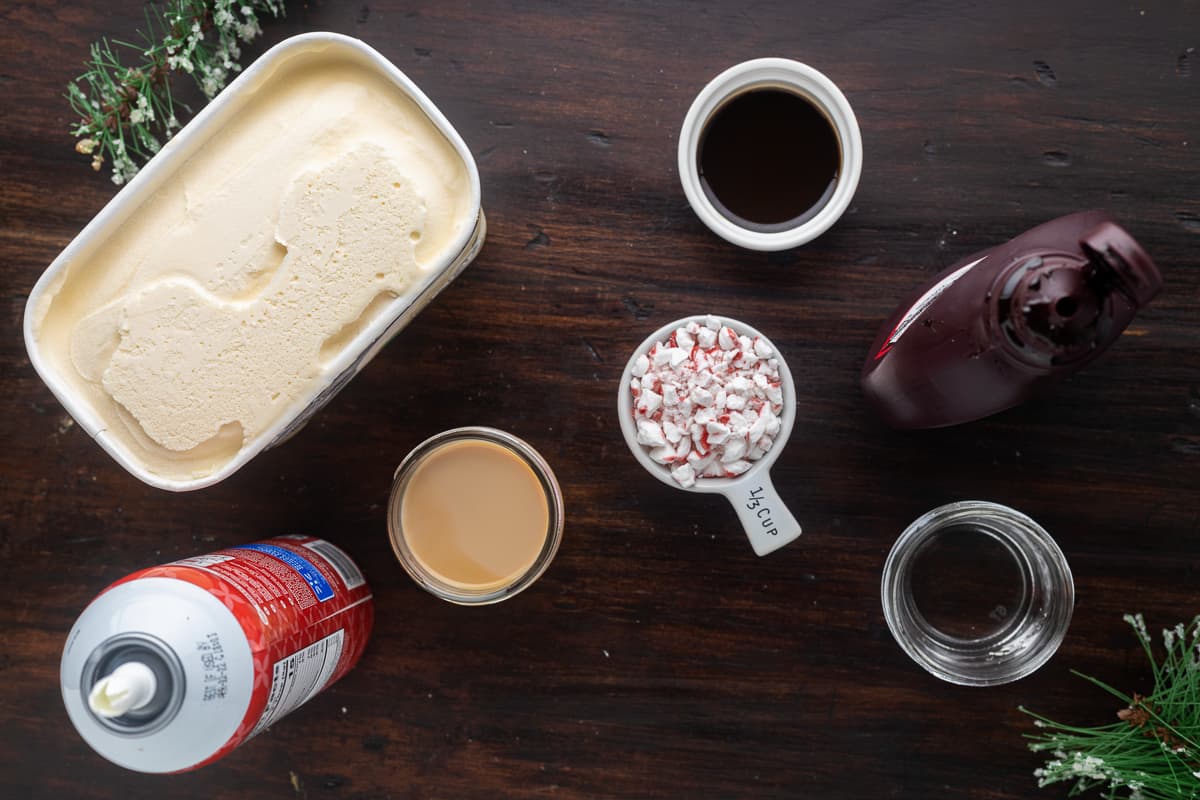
(998, 326)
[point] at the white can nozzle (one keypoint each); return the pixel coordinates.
(129, 687)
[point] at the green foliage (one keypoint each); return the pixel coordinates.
(1152, 751)
(127, 111)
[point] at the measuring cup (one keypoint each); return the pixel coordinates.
(766, 520)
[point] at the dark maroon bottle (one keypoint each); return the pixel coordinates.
(998, 326)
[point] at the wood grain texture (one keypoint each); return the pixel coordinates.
(658, 657)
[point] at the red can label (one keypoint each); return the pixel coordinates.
(304, 608)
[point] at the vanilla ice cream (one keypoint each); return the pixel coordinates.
(316, 204)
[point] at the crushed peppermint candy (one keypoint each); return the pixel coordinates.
(707, 402)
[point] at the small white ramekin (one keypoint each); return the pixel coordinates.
(793, 76)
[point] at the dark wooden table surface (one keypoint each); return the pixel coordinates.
(658, 657)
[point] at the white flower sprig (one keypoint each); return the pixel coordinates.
(127, 112)
(1153, 751)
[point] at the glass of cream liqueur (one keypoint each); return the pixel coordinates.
(475, 515)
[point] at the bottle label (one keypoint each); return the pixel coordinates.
(297, 677)
(346, 569)
(923, 303)
(304, 568)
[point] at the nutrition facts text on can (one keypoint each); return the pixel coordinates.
(298, 677)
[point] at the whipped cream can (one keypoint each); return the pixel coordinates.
(174, 666)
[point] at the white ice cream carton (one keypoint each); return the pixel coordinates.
(256, 263)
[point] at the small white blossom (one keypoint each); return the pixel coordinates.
(249, 30)
(1089, 766)
(141, 111)
(1176, 634)
(123, 168)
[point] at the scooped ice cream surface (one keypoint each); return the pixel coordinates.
(190, 362)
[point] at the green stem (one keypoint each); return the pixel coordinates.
(127, 110)
(1152, 753)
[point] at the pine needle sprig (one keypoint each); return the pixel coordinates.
(1152, 751)
(127, 111)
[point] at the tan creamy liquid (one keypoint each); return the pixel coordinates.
(474, 514)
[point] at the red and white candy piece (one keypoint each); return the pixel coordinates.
(707, 401)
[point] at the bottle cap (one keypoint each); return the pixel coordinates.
(127, 688)
(1117, 254)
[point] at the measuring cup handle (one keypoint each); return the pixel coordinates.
(766, 519)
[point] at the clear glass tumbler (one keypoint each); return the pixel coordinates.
(977, 593)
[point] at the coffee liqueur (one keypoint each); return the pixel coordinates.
(1003, 324)
(769, 159)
